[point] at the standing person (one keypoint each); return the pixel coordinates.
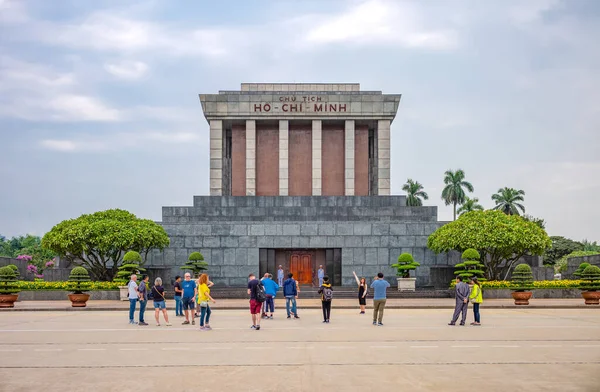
(280, 276)
(178, 292)
(476, 299)
(326, 296)
(290, 292)
(271, 291)
(320, 275)
(462, 301)
(189, 292)
(133, 296)
(380, 286)
(263, 314)
(143, 293)
(255, 305)
(203, 298)
(158, 296)
(362, 292)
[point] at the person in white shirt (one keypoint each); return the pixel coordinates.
(280, 276)
(133, 296)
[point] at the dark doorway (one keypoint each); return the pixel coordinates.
(303, 263)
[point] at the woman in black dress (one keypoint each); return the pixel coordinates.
(362, 292)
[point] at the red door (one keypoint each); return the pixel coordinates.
(301, 267)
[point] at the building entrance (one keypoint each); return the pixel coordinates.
(303, 263)
(301, 266)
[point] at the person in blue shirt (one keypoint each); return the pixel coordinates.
(189, 292)
(290, 292)
(270, 291)
(379, 297)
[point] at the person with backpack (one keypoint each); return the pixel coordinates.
(326, 296)
(271, 291)
(290, 292)
(256, 291)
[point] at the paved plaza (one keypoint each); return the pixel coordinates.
(515, 350)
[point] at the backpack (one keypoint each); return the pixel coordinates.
(260, 292)
(327, 294)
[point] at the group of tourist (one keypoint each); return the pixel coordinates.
(192, 298)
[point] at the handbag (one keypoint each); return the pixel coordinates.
(159, 293)
(204, 304)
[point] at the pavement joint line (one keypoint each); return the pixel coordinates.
(504, 346)
(133, 349)
(339, 347)
(546, 345)
(299, 348)
(465, 346)
(377, 347)
(424, 346)
(91, 349)
(47, 349)
(175, 348)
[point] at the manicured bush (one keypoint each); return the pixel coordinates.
(538, 284)
(590, 278)
(64, 285)
(8, 281)
(470, 266)
(15, 269)
(561, 264)
(405, 264)
(522, 278)
(579, 272)
(195, 263)
(130, 266)
(79, 280)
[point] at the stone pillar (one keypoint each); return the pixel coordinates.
(316, 157)
(283, 157)
(250, 158)
(383, 157)
(216, 157)
(349, 157)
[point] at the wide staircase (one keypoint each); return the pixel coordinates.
(338, 292)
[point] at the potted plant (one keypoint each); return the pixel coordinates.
(9, 288)
(471, 265)
(405, 264)
(522, 284)
(78, 282)
(130, 266)
(195, 263)
(579, 271)
(591, 285)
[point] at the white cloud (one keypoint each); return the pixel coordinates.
(71, 145)
(130, 70)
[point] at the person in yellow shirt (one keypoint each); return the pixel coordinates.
(203, 300)
(476, 298)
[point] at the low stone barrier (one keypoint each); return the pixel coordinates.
(60, 295)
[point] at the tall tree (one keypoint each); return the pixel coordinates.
(469, 205)
(453, 192)
(414, 193)
(507, 200)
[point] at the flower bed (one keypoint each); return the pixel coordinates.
(42, 285)
(537, 285)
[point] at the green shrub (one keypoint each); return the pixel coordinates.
(537, 285)
(470, 266)
(130, 266)
(63, 285)
(590, 278)
(405, 264)
(522, 278)
(561, 264)
(195, 263)
(578, 273)
(8, 281)
(15, 269)
(79, 280)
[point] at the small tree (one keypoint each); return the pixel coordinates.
(522, 278)
(591, 278)
(405, 264)
(579, 272)
(470, 266)
(195, 263)
(79, 280)
(8, 281)
(130, 266)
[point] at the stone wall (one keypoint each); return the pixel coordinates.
(574, 262)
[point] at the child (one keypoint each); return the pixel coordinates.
(326, 296)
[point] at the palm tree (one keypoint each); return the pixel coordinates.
(507, 200)
(453, 192)
(469, 205)
(414, 192)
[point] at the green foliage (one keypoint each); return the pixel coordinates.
(590, 278)
(537, 284)
(561, 246)
(63, 285)
(507, 200)
(538, 221)
(130, 266)
(579, 272)
(405, 264)
(15, 270)
(471, 265)
(27, 245)
(500, 239)
(522, 278)
(590, 246)
(79, 280)
(453, 193)
(96, 240)
(562, 264)
(414, 193)
(195, 263)
(469, 205)
(8, 281)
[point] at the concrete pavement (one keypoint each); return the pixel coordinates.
(515, 349)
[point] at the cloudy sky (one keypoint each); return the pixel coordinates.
(99, 100)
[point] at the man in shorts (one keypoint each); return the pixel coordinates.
(255, 306)
(190, 290)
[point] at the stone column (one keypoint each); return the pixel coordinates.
(383, 157)
(250, 158)
(283, 157)
(316, 157)
(349, 157)
(216, 157)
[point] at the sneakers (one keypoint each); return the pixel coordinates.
(193, 322)
(324, 321)
(132, 322)
(362, 312)
(289, 316)
(185, 322)
(380, 324)
(257, 327)
(253, 327)
(374, 322)
(158, 324)
(270, 317)
(296, 316)
(168, 324)
(202, 328)
(142, 323)
(207, 328)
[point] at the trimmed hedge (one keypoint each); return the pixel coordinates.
(65, 286)
(538, 284)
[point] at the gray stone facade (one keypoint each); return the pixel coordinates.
(371, 232)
